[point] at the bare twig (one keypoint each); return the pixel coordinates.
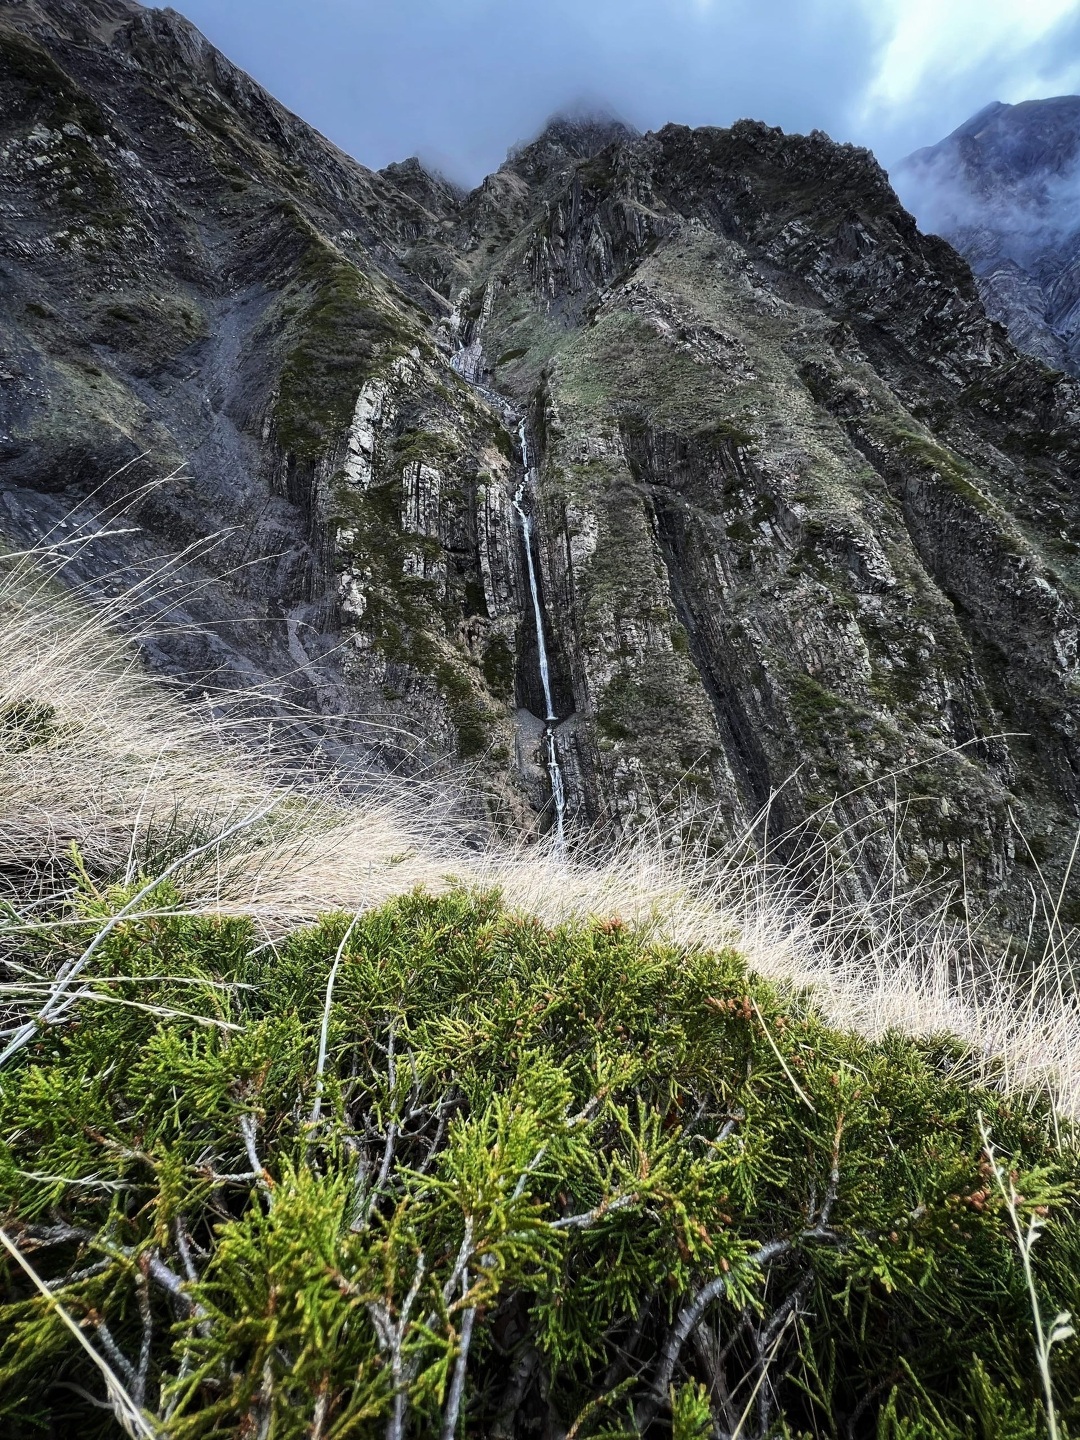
(588, 1218)
(362, 1211)
(391, 1335)
(116, 1355)
(129, 1416)
(138, 1390)
(249, 1132)
(457, 1384)
(687, 1319)
(766, 1361)
(465, 1253)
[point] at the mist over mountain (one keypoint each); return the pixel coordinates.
(1004, 188)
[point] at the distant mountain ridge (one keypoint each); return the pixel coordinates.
(1004, 188)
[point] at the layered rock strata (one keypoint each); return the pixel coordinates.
(805, 522)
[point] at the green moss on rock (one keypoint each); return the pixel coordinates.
(925, 453)
(657, 705)
(347, 330)
(406, 616)
(499, 667)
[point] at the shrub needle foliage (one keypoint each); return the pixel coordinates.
(510, 1181)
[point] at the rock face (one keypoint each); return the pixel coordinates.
(198, 286)
(1005, 190)
(805, 522)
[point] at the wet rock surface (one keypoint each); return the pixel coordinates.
(805, 521)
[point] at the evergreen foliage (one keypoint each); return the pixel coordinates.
(438, 1170)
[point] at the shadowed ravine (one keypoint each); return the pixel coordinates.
(551, 744)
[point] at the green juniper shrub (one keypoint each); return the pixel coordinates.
(544, 1182)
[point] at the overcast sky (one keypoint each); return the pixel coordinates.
(458, 81)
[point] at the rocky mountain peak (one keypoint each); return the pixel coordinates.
(1001, 144)
(87, 22)
(427, 187)
(799, 517)
(567, 137)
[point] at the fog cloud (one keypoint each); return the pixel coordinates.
(459, 81)
(988, 183)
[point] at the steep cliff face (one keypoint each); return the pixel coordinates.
(807, 514)
(1004, 188)
(197, 286)
(805, 523)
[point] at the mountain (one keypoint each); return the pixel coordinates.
(1004, 188)
(196, 286)
(801, 521)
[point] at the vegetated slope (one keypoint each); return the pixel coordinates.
(97, 755)
(805, 512)
(440, 1170)
(196, 286)
(232, 1147)
(801, 509)
(1004, 188)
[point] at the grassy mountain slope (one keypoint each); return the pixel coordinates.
(292, 1143)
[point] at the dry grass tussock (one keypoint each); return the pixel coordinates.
(96, 754)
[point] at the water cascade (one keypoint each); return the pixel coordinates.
(468, 363)
(558, 792)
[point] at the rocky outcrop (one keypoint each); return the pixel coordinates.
(807, 515)
(200, 296)
(804, 520)
(1004, 189)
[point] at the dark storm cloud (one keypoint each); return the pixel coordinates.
(458, 81)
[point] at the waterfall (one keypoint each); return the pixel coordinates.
(534, 589)
(558, 791)
(468, 363)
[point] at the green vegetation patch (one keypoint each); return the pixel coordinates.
(657, 704)
(149, 326)
(25, 724)
(348, 329)
(443, 1170)
(622, 364)
(499, 667)
(410, 618)
(927, 454)
(34, 90)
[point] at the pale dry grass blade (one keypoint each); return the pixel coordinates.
(1061, 1327)
(131, 1419)
(93, 752)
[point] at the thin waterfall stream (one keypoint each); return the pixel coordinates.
(551, 744)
